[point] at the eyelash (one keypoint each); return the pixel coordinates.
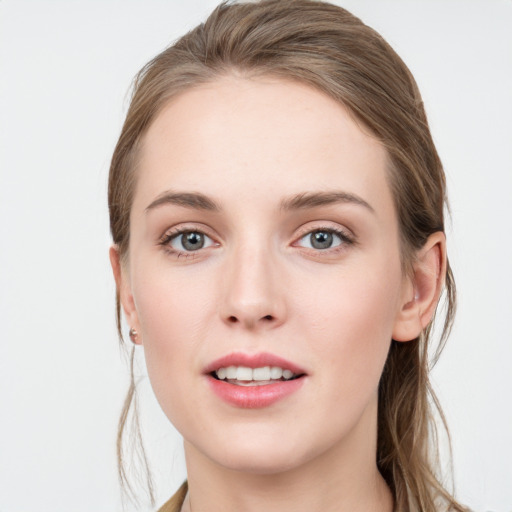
(345, 239)
(168, 237)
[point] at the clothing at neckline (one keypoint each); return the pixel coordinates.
(176, 501)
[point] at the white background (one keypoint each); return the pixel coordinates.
(65, 68)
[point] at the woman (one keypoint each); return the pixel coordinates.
(276, 205)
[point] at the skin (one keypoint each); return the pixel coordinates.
(259, 285)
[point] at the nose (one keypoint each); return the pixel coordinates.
(253, 291)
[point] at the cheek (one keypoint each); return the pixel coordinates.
(173, 312)
(162, 304)
(351, 323)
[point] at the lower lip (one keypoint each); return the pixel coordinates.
(254, 397)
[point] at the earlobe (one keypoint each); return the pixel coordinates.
(124, 290)
(422, 290)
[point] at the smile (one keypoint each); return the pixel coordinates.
(262, 376)
(253, 381)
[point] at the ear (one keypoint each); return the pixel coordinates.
(422, 290)
(124, 291)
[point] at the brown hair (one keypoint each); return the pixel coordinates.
(328, 48)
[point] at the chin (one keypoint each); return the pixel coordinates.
(260, 462)
(253, 452)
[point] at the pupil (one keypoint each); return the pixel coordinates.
(193, 241)
(321, 240)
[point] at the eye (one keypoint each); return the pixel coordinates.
(322, 239)
(188, 241)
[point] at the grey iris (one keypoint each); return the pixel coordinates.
(321, 239)
(192, 241)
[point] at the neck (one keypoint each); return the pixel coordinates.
(343, 479)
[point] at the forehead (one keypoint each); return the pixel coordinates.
(264, 137)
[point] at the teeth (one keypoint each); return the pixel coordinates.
(261, 373)
(246, 375)
(287, 374)
(276, 372)
(243, 373)
(230, 372)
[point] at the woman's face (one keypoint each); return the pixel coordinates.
(264, 236)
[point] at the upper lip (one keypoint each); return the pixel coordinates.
(253, 361)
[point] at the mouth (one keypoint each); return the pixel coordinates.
(260, 376)
(254, 381)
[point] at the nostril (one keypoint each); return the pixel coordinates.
(252, 321)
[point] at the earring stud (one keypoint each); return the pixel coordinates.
(134, 335)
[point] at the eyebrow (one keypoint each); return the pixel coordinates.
(192, 200)
(303, 201)
(314, 199)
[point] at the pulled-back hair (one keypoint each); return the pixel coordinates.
(331, 50)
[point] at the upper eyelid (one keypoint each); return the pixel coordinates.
(300, 232)
(326, 226)
(338, 232)
(186, 228)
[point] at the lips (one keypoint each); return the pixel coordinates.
(253, 381)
